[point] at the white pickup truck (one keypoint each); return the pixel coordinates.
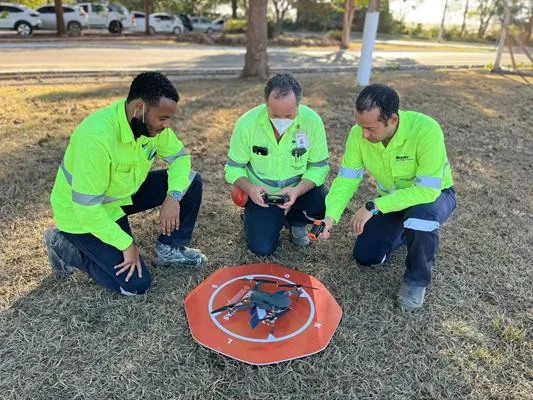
(113, 17)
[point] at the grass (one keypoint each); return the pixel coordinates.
(70, 339)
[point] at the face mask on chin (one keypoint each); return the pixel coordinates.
(138, 127)
(281, 124)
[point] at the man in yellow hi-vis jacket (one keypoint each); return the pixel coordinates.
(405, 153)
(105, 176)
(279, 148)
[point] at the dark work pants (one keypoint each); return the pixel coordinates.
(263, 225)
(417, 227)
(98, 259)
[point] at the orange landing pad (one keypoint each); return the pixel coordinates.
(305, 329)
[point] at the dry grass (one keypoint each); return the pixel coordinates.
(68, 338)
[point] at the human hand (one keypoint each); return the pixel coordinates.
(169, 216)
(293, 193)
(132, 261)
(328, 221)
(256, 194)
(359, 220)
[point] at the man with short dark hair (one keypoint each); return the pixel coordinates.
(405, 153)
(105, 176)
(279, 148)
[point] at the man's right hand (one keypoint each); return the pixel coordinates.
(328, 221)
(132, 261)
(256, 194)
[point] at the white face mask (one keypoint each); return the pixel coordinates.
(281, 124)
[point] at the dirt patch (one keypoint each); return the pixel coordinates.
(68, 338)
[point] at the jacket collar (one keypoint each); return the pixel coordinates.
(126, 135)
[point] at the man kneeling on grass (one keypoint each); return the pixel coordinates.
(105, 176)
(404, 151)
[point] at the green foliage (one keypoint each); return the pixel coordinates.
(30, 3)
(235, 26)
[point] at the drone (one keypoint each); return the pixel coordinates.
(275, 304)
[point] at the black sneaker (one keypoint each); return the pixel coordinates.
(56, 244)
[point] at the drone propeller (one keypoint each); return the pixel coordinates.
(238, 306)
(259, 280)
(297, 285)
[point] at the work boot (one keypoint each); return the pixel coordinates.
(410, 298)
(299, 235)
(60, 252)
(166, 255)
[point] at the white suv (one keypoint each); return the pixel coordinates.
(75, 18)
(159, 23)
(113, 17)
(19, 18)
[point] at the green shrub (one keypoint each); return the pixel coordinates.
(334, 34)
(235, 26)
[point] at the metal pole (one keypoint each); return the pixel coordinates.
(369, 37)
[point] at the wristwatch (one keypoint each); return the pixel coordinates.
(176, 195)
(370, 206)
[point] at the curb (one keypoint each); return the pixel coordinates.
(210, 72)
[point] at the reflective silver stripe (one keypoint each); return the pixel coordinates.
(171, 159)
(273, 183)
(68, 175)
(85, 199)
(91, 199)
(322, 163)
(444, 169)
(351, 173)
(179, 195)
(423, 225)
(428, 181)
(383, 188)
(231, 163)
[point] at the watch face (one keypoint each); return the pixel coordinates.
(369, 205)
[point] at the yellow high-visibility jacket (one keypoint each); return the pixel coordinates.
(411, 170)
(103, 166)
(301, 153)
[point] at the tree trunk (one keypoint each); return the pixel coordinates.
(441, 30)
(255, 63)
(349, 10)
(463, 26)
(503, 35)
(234, 9)
(147, 17)
(529, 27)
(370, 30)
(60, 20)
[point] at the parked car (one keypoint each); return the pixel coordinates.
(19, 18)
(186, 20)
(113, 17)
(75, 18)
(159, 23)
(205, 25)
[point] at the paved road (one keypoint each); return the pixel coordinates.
(54, 57)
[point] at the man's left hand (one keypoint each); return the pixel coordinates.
(169, 216)
(359, 220)
(293, 194)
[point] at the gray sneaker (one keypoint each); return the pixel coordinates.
(57, 247)
(166, 255)
(299, 235)
(410, 298)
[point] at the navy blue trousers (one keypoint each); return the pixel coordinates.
(98, 259)
(263, 225)
(417, 227)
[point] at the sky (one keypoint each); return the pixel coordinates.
(430, 11)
